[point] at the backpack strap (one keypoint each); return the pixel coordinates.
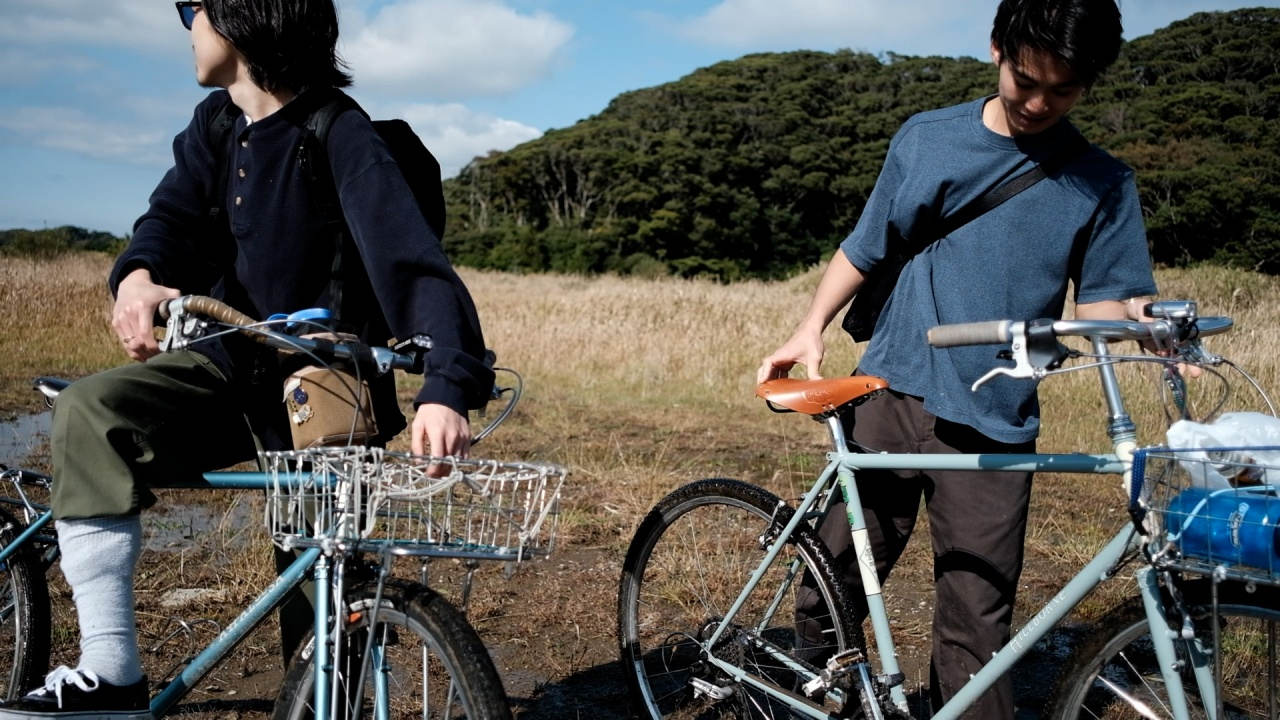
(218, 135)
(313, 161)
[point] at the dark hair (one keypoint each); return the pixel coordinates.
(289, 44)
(1084, 34)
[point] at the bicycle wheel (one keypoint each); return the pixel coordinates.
(426, 660)
(1115, 674)
(24, 617)
(689, 560)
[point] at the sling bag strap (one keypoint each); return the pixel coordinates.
(864, 312)
(997, 195)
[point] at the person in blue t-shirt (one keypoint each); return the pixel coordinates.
(1080, 225)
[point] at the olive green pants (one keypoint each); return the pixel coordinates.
(119, 432)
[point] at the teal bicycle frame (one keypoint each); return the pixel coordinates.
(311, 559)
(186, 320)
(844, 463)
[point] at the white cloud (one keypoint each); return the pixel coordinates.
(904, 27)
(137, 24)
(77, 131)
(450, 48)
(456, 134)
(20, 66)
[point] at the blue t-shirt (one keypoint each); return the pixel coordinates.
(1083, 224)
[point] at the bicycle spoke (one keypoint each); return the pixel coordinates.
(425, 662)
(1146, 683)
(668, 617)
(1133, 702)
(1116, 676)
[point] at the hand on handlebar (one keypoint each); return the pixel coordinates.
(1136, 309)
(440, 431)
(133, 315)
(805, 347)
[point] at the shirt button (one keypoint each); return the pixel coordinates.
(241, 172)
(239, 200)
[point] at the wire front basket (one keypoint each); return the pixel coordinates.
(1212, 511)
(374, 499)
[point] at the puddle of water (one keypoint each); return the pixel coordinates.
(179, 527)
(20, 437)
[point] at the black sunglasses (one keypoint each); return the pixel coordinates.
(187, 13)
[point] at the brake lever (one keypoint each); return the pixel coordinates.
(1021, 368)
(1021, 356)
(180, 328)
(1034, 350)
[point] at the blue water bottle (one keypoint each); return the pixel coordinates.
(1230, 527)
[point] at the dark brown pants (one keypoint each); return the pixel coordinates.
(977, 522)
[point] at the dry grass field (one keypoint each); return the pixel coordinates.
(638, 386)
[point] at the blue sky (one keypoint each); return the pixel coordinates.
(92, 92)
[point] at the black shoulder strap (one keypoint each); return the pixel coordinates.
(997, 195)
(864, 313)
(313, 160)
(218, 135)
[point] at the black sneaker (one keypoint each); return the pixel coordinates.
(69, 694)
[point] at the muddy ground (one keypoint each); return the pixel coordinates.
(549, 627)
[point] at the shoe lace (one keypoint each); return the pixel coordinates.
(54, 682)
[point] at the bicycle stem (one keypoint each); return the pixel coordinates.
(1120, 427)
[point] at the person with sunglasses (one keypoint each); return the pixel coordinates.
(263, 250)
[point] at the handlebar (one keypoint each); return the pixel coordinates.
(1161, 331)
(184, 315)
(1175, 329)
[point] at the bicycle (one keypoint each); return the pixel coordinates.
(380, 645)
(708, 585)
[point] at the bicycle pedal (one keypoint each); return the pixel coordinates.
(711, 690)
(846, 659)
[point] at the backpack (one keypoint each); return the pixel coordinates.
(420, 168)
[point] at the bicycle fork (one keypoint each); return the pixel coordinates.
(333, 689)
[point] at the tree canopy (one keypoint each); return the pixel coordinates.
(757, 167)
(55, 241)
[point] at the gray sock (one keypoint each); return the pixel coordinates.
(98, 559)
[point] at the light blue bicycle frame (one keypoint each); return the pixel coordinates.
(843, 464)
(255, 613)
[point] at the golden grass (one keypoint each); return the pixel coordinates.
(55, 322)
(639, 385)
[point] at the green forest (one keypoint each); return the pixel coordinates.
(54, 241)
(757, 167)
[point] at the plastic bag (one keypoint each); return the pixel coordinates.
(1253, 456)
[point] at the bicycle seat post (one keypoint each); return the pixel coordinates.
(836, 427)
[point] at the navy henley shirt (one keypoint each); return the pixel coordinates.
(278, 257)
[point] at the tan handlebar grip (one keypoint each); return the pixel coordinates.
(217, 310)
(990, 332)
